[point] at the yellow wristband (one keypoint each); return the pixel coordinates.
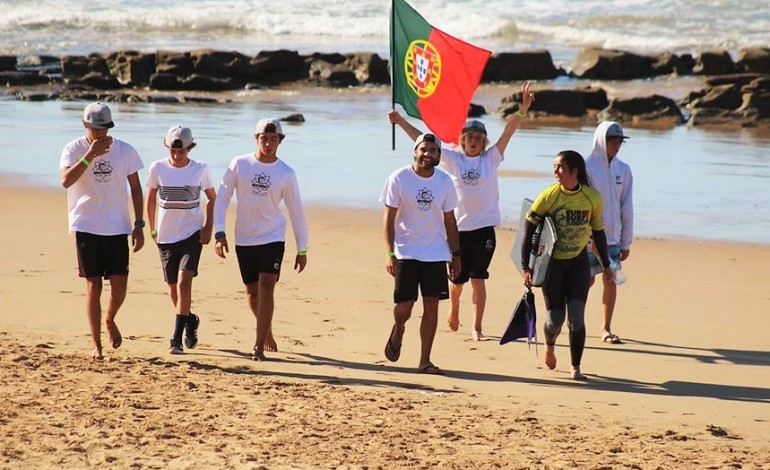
(85, 161)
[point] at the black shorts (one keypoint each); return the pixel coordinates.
(476, 250)
(182, 255)
(259, 259)
(568, 279)
(101, 255)
(431, 277)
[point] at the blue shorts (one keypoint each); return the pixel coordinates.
(595, 263)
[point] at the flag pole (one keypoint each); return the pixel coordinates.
(392, 88)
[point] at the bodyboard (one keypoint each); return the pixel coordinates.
(542, 253)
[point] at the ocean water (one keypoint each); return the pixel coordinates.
(688, 183)
(561, 26)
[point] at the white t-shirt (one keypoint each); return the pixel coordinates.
(259, 188)
(421, 203)
(179, 198)
(475, 179)
(98, 201)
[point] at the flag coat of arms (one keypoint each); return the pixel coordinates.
(434, 74)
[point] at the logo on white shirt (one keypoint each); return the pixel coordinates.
(424, 199)
(102, 171)
(260, 184)
(471, 177)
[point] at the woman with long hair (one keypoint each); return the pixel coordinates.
(576, 210)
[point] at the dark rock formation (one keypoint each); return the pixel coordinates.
(715, 62)
(608, 64)
(651, 108)
(514, 66)
(755, 59)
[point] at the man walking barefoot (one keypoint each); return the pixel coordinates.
(94, 169)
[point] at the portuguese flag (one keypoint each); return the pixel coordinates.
(434, 74)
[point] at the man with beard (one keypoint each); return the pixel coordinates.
(421, 238)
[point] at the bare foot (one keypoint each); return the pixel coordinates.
(453, 321)
(270, 344)
(258, 355)
(478, 336)
(550, 357)
(113, 334)
(577, 375)
(96, 354)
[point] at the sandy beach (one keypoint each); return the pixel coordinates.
(688, 388)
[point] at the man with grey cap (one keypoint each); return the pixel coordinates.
(420, 238)
(94, 169)
(614, 181)
(261, 181)
(175, 185)
(473, 169)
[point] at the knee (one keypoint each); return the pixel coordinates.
(267, 282)
(403, 311)
(554, 321)
(252, 293)
(94, 284)
(576, 310)
(185, 278)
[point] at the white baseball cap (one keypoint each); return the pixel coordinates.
(427, 138)
(269, 124)
(98, 116)
(179, 137)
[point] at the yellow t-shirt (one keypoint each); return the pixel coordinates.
(575, 214)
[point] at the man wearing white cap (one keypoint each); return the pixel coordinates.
(614, 181)
(94, 169)
(473, 168)
(261, 181)
(420, 238)
(175, 184)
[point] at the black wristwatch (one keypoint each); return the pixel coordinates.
(139, 223)
(219, 235)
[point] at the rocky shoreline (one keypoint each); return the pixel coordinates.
(735, 93)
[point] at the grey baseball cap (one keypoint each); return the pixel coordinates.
(427, 138)
(98, 116)
(475, 125)
(268, 125)
(178, 137)
(616, 131)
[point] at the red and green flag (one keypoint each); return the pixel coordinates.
(434, 74)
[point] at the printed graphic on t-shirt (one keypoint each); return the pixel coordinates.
(102, 170)
(471, 177)
(179, 197)
(425, 198)
(570, 225)
(260, 184)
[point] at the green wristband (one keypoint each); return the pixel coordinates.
(390, 254)
(85, 161)
(520, 114)
(153, 232)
